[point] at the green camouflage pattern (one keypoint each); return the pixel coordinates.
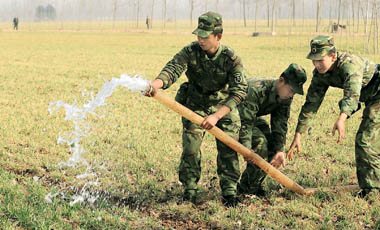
(221, 78)
(261, 140)
(367, 146)
(227, 160)
(350, 73)
(212, 83)
(295, 76)
(208, 23)
(320, 46)
(262, 99)
(360, 81)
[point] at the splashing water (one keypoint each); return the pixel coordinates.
(78, 115)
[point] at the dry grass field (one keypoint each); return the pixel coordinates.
(135, 148)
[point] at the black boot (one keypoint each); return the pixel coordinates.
(230, 201)
(259, 191)
(190, 195)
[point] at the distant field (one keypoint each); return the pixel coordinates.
(139, 141)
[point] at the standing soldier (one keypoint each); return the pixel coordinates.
(15, 23)
(264, 97)
(360, 81)
(216, 85)
(148, 22)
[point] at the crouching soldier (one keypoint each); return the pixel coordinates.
(359, 78)
(264, 97)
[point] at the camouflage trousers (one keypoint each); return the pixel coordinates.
(257, 137)
(367, 146)
(227, 160)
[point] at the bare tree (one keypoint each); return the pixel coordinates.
(191, 11)
(164, 13)
(353, 13)
(151, 15)
(318, 15)
(358, 13)
(366, 18)
(339, 10)
(244, 15)
(303, 14)
(256, 9)
(268, 7)
(294, 12)
(137, 13)
(330, 13)
(114, 9)
(273, 16)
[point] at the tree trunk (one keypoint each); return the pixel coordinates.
(318, 15)
(244, 16)
(294, 12)
(138, 14)
(303, 14)
(358, 14)
(151, 15)
(366, 18)
(256, 9)
(164, 13)
(339, 10)
(353, 13)
(114, 9)
(376, 34)
(268, 7)
(191, 12)
(330, 14)
(273, 16)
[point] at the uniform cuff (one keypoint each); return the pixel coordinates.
(165, 79)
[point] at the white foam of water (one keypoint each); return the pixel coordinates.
(78, 115)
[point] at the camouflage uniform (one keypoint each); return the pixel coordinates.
(360, 80)
(212, 82)
(262, 99)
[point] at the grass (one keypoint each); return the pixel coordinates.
(139, 140)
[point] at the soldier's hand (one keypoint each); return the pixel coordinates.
(210, 121)
(150, 92)
(339, 126)
(153, 87)
(295, 144)
(278, 160)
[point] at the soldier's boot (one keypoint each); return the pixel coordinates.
(257, 191)
(190, 195)
(365, 192)
(230, 201)
(251, 181)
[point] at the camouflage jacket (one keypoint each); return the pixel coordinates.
(224, 71)
(350, 73)
(262, 99)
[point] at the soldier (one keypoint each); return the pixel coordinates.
(359, 79)
(148, 22)
(264, 97)
(15, 23)
(216, 85)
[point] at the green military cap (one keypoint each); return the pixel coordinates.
(295, 76)
(207, 23)
(320, 46)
